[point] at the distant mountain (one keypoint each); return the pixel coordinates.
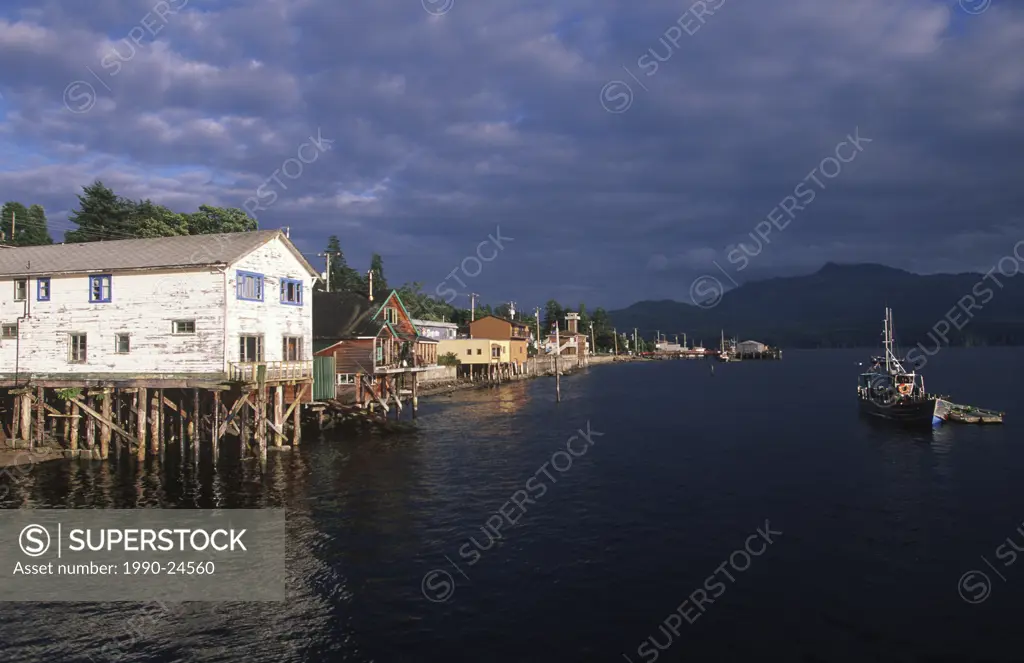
(843, 306)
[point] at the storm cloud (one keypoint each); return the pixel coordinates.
(626, 148)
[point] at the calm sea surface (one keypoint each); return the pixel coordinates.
(872, 529)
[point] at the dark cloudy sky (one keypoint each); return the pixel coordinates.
(450, 119)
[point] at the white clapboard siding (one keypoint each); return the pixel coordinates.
(142, 305)
(145, 304)
(271, 318)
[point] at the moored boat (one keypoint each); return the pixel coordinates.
(889, 392)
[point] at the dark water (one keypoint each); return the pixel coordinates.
(877, 528)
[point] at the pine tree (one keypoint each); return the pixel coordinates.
(102, 215)
(29, 225)
(380, 284)
(343, 277)
(36, 230)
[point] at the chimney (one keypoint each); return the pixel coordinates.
(573, 320)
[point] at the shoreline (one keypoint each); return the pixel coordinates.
(20, 460)
(451, 386)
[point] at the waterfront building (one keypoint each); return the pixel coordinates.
(185, 313)
(373, 346)
(514, 335)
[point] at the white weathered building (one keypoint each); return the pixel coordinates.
(190, 308)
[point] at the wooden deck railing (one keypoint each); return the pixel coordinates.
(248, 371)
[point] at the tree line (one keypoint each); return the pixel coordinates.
(103, 215)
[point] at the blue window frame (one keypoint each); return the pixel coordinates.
(291, 292)
(249, 286)
(99, 288)
(43, 289)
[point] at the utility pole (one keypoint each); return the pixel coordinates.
(472, 306)
(558, 366)
(615, 333)
(12, 234)
(536, 313)
(636, 345)
(369, 274)
(593, 343)
(328, 254)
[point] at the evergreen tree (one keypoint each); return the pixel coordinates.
(29, 225)
(35, 231)
(380, 284)
(102, 215)
(343, 277)
(553, 314)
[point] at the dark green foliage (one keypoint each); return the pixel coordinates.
(449, 359)
(29, 224)
(103, 215)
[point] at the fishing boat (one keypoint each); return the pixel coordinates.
(889, 392)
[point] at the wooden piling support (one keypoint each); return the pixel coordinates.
(415, 396)
(279, 415)
(261, 422)
(155, 438)
(40, 425)
(105, 428)
(139, 401)
(215, 428)
(76, 420)
(296, 424)
(245, 430)
(67, 424)
(90, 425)
(181, 423)
(194, 419)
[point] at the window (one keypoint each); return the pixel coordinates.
(346, 378)
(76, 348)
(20, 289)
(479, 351)
(250, 348)
(9, 330)
(391, 315)
(43, 289)
(469, 351)
(495, 352)
(292, 350)
(380, 353)
(99, 288)
(250, 286)
(183, 327)
(122, 344)
(291, 292)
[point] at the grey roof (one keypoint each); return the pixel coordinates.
(434, 323)
(132, 254)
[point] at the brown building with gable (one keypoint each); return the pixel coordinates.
(501, 329)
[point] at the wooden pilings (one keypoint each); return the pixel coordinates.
(101, 422)
(139, 403)
(105, 430)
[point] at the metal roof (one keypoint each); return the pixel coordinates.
(434, 323)
(138, 254)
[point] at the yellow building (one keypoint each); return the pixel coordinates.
(477, 356)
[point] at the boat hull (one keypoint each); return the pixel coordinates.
(912, 413)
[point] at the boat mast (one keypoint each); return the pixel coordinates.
(886, 339)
